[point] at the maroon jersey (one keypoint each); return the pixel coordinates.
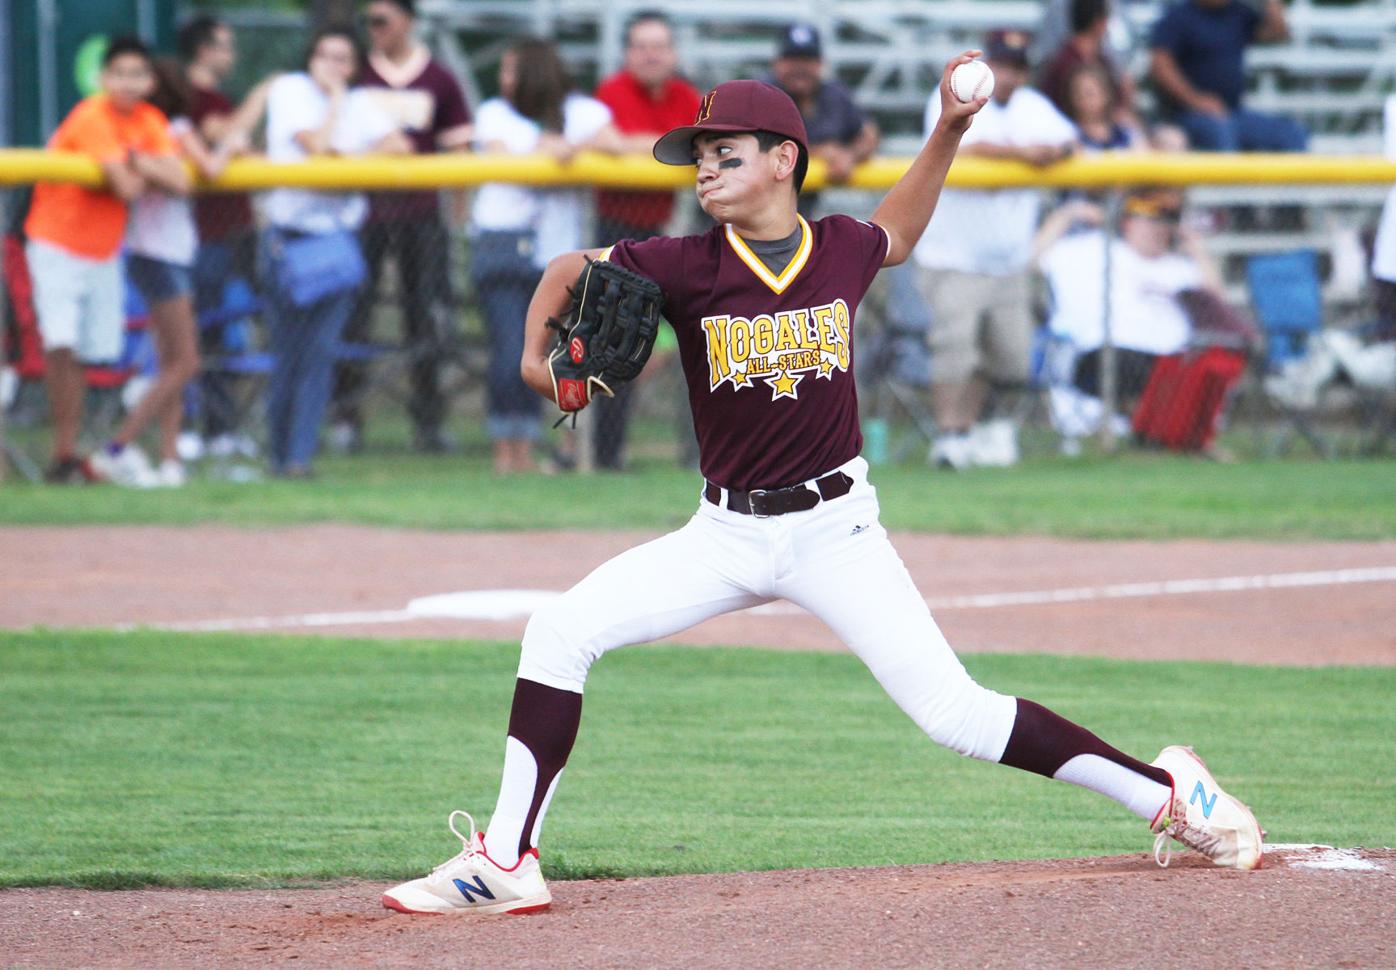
(217, 214)
(425, 101)
(768, 359)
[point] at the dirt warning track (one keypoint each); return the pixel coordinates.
(1254, 602)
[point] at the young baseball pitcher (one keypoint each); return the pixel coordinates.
(762, 306)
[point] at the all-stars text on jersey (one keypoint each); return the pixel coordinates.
(778, 349)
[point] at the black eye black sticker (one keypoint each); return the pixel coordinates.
(730, 163)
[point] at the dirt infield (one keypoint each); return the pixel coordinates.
(1306, 604)
(1117, 912)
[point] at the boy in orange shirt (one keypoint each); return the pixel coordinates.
(75, 236)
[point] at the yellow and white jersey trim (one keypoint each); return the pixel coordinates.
(779, 283)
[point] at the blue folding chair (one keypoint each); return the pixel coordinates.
(1288, 302)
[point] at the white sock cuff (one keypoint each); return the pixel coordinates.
(1140, 794)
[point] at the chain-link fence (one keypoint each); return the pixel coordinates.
(1196, 321)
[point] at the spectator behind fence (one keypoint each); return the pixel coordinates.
(840, 132)
(1086, 48)
(227, 238)
(1384, 249)
(647, 98)
(1091, 108)
(1198, 69)
(1151, 263)
(973, 263)
(426, 102)
(161, 243)
(517, 228)
(312, 266)
(1367, 359)
(75, 236)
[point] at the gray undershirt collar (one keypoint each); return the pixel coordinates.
(776, 253)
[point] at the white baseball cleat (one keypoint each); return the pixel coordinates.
(1203, 817)
(472, 882)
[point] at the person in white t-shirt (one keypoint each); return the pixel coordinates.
(973, 262)
(1152, 261)
(313, 113)
(517, 229)
(161, 242)
(1384, 253)
(1333, 353)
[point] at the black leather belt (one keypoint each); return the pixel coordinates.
(765, 502)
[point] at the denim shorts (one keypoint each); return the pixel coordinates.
(158, 280)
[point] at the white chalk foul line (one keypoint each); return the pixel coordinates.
(1170, 587)
(277, 622)
(510, 604)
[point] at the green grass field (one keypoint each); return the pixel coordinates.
(164, 759)
(1133, 495)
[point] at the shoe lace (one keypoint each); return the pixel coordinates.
(1208, 843)
(468, 848)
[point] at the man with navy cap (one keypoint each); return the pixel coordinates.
(840, 132)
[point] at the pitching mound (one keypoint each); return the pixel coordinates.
(1308, 907)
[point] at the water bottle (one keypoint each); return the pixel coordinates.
(875, 441)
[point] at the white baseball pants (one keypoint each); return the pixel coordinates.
(834, 560)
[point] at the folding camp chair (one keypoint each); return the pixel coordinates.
(1288, 302)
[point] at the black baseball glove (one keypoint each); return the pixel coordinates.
(606, 336)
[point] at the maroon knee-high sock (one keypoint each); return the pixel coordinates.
(544, 721)
(1042, 741)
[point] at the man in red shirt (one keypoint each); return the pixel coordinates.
(646, 98)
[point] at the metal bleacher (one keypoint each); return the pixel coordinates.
(1333, 75)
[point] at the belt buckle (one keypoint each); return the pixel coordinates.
(751, 501)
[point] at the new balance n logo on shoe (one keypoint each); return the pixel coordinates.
(1200, 794)
(479, 887)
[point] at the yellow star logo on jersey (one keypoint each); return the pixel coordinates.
(783, 384)
(826, 368)
(741, 378)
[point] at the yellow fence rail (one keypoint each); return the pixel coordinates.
(19, 166)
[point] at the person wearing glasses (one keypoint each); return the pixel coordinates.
(425, 101)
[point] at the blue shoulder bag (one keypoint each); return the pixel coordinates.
(313, 267)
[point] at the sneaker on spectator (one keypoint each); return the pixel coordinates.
(951, 451)
(433, 441)
(190, 446)
(71, 471)
(171, 474)
(232, 446)
(127, 467)
(346, 437)
(994, 444)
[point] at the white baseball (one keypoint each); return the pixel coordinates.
(971, 81)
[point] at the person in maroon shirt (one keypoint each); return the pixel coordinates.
(647, 98)
(426, 101)
(763, 308)
(1090, 20)
(227, 237)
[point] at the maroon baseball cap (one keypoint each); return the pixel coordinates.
(735, 106)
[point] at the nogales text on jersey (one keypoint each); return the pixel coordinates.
(778, 350)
